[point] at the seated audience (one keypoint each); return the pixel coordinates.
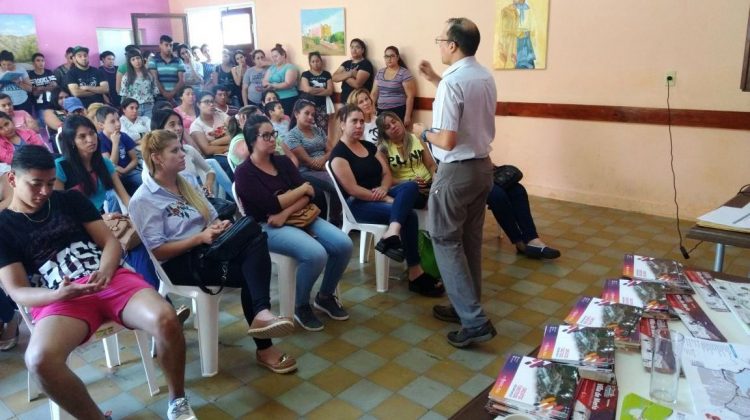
(406, 155)
(193, 68)
(275, 112)
(109, 72)
(395, 87)
(6, 192)
(82, 285)
(188, 109)
(222, 101)
(83, 168)
(281, 77)
(317, 84)
(269, 95)
(311, 147)
(43, 82)
(138, 84)
(196, 167)
(174, 219)
(361, 98)
(237, 152)
(252, 81)
(365, 180)
(19, 87)
(54, 116)
(21, 119)
(512, 211)
(131, 123)
(85, 82)
(209, 134)
(355, 73)
(238, 72)
(118, 147)
(271, 189)
(12, 138)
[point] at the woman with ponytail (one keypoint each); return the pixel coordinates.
(175, 219)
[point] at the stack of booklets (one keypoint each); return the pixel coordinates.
(668, 272)
(651, 327)
(733, 216)
(695, 320)
(534, 387)
(701, 281)
(590, 349)
(624, 320)
(595, 401)
(649, 296)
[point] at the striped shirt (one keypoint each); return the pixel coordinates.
(391, 93)
(168, 73)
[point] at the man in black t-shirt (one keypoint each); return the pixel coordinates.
(43, 82)
(60, 236)
(86, 82)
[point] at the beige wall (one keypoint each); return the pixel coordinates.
(601, 52)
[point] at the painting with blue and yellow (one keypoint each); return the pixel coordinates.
(323, 30)
(521, 34)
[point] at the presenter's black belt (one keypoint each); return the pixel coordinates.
(467, 160)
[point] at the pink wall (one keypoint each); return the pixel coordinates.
(65, 23)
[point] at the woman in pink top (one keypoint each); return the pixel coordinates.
(11, 138)
(187, 110)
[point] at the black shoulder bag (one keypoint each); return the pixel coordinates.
(506, 176)
(244, 233)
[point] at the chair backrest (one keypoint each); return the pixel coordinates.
(237, 200)
(232, 166)
(160, 273)
(344, 204)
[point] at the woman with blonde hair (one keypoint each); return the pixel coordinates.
(361, 99)
(175, 219)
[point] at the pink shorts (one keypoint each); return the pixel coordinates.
(97, 308)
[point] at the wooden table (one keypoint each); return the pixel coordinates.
(724, 237)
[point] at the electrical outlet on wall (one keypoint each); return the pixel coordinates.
(670, 78)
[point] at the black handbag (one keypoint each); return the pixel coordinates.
(244, 233)
(224, 208)
(506, 176)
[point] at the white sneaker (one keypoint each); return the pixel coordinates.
(179, 409)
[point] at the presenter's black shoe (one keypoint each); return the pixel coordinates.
(465, 337)
(391, 247)
(540, 252)
(445, 313)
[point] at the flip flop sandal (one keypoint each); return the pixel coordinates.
(285, 364)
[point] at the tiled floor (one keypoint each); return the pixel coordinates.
(390, 360)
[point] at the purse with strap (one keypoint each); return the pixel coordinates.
(244, 233)
(304, 216)
(124, 231)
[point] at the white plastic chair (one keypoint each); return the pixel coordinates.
(287, 273)
(382, 263)
(107, 333)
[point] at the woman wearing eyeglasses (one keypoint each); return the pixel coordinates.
(395, 88)
(271, 190)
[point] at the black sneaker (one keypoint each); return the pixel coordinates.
(445, 313)
(306, 318)
(331, 306)
(467, 336)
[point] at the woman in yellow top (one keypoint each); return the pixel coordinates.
(407, 156)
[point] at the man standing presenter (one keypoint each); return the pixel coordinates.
(463, 126)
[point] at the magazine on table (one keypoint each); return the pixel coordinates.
(534, 386)
(695, 320)
(591, 349)
(595, 401)
(650, 327)
(595, 312)
(668, 272)
(737, 298)
(650, 296)
(701, 280)
(718, 375)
